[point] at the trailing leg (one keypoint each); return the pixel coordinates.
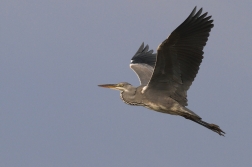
(212, 127)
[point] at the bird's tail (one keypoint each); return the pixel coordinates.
(212, 127)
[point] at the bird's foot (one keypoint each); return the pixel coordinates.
(217, 129)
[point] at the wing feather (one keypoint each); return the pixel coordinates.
(179, 57)
(142, 63)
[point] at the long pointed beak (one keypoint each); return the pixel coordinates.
(111, 86)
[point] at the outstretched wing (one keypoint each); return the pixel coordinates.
(143, 63)
(179, 57)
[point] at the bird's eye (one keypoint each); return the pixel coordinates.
(120, 84)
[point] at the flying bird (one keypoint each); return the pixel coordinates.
(166, 76)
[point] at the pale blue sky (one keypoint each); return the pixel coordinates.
(55, 53)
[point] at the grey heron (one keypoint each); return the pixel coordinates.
(166, 76)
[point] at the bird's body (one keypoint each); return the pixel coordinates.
(136, 96)
(165, 77)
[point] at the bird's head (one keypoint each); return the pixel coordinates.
(122, 86)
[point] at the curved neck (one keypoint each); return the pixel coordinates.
(130, 97)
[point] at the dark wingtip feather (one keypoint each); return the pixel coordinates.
(144, 55)
(140, 48)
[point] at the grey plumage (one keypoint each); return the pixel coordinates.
(166, 76)
(143, 63)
